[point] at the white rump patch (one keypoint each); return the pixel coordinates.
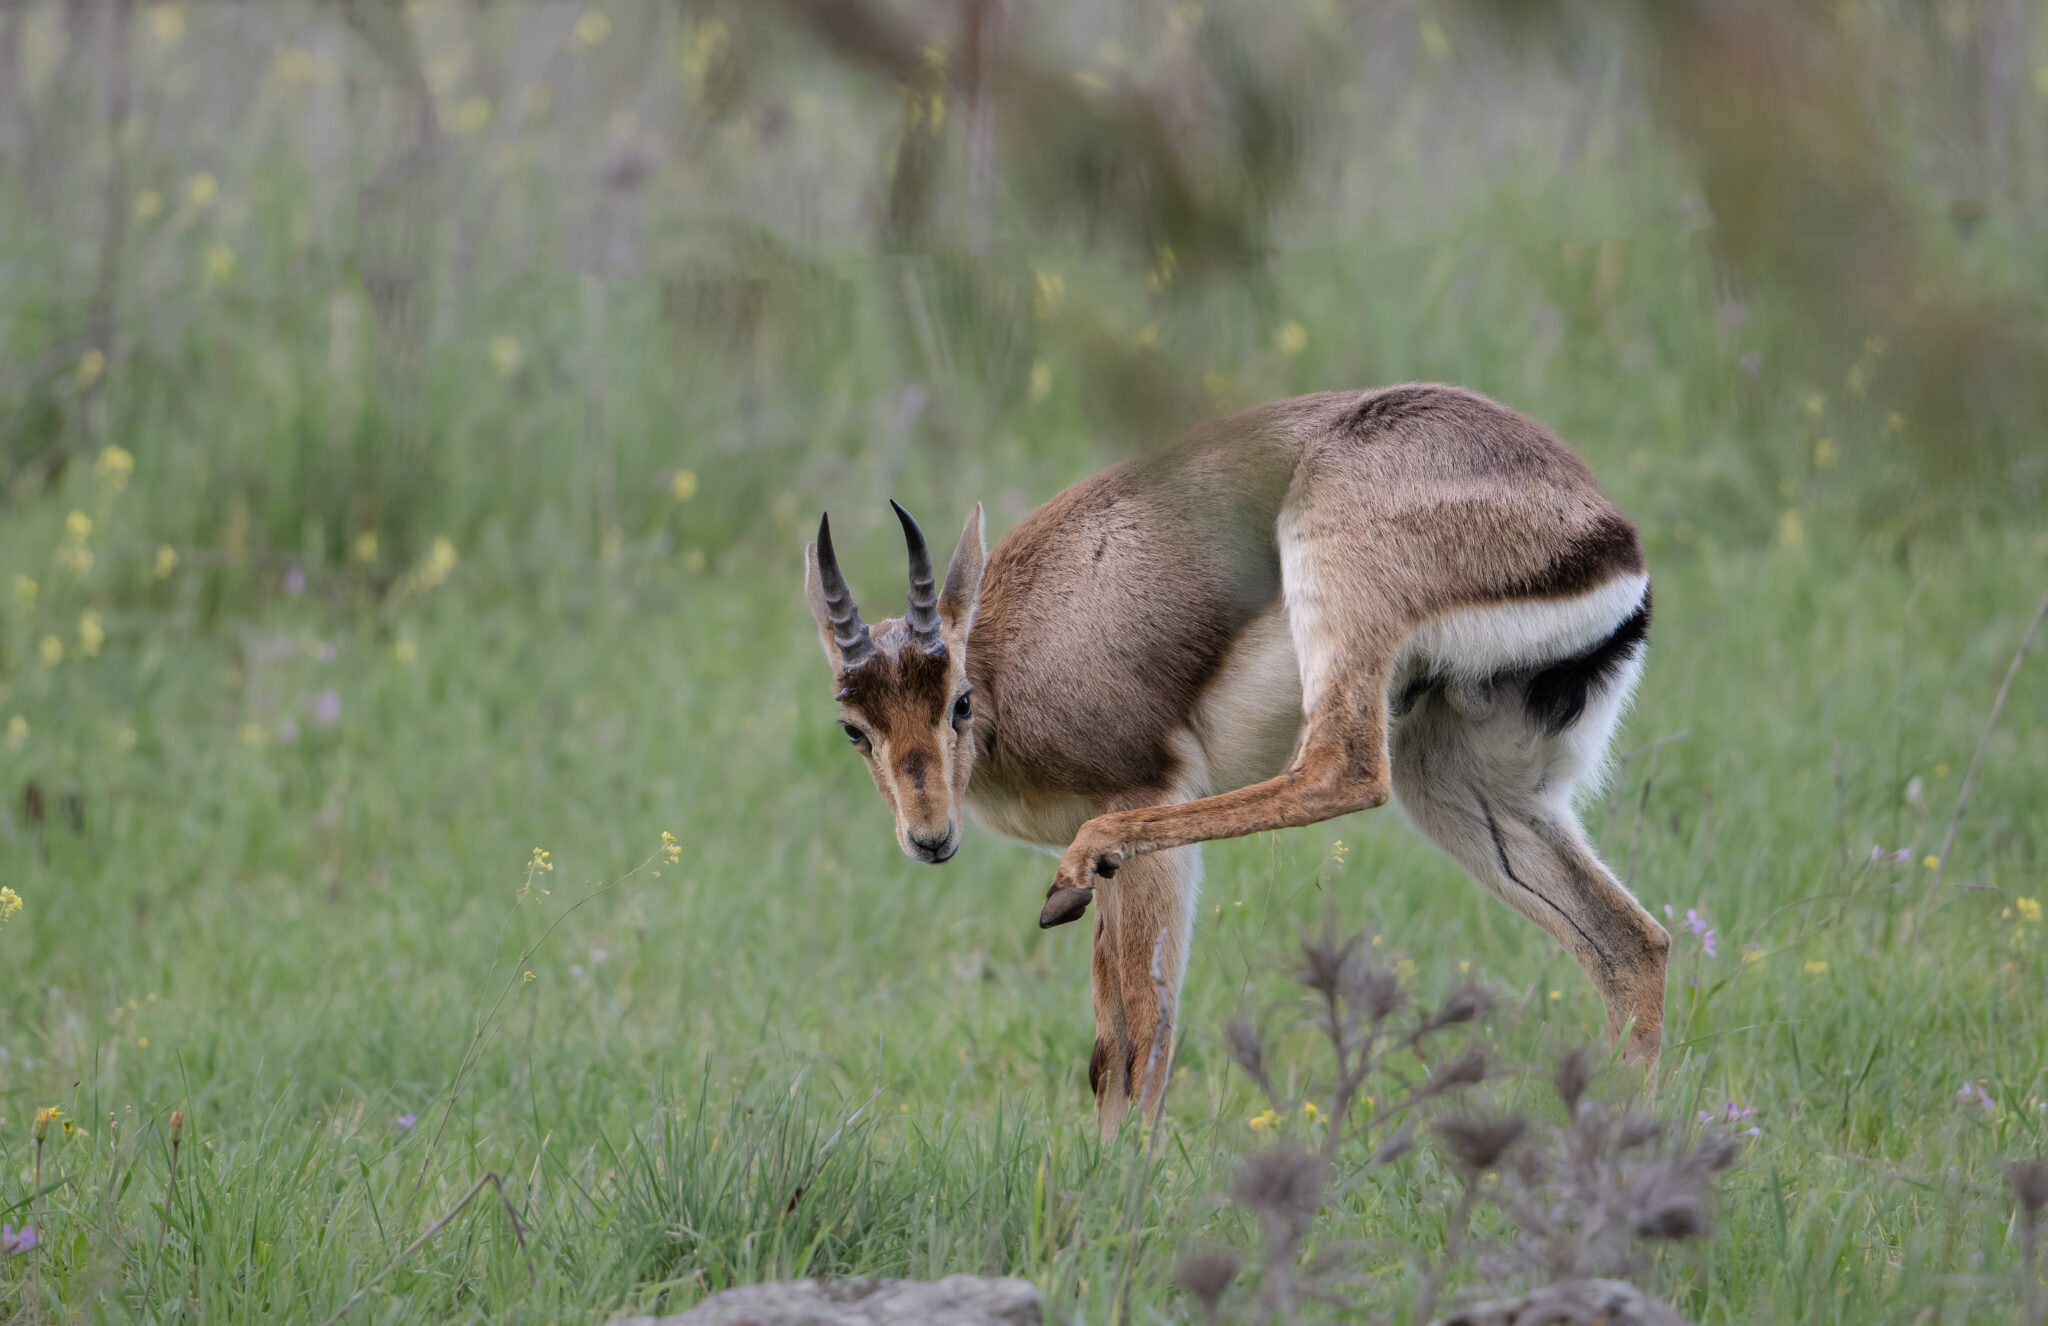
(1472, 644)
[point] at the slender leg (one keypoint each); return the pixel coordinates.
(1147, 918)
(1342, 768)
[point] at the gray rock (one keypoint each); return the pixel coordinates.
(957, 1300)
(1571, 1303)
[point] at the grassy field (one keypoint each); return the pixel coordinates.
(301, 695)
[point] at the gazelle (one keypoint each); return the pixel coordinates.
(1290, 615)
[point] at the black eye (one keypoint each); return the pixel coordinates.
(855, 735)
(962, 711)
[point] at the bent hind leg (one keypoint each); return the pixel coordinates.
(1487, 771)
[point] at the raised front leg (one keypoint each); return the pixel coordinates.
(1148, 916)
(1342, 767)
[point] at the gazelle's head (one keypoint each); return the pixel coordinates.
(902, 684)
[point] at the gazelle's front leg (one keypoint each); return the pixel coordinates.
(1342, 767)
(1147, 917)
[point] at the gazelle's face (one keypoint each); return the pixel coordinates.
(911, 716)
(904, 699)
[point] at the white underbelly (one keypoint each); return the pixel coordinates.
(1248, 721)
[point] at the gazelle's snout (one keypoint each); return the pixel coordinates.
(934, 849)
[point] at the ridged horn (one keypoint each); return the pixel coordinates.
(849, 633)
(922, 621)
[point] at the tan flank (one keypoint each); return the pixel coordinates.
(1291, 615)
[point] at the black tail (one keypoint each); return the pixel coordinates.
(1557, 695)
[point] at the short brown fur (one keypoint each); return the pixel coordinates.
(1121, 633)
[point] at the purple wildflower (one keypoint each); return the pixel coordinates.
(14, 1240)
(1973, 1093)
(1730, 1115)
(1753, 364)
(407, 1119)
(1899, 858)
(295, 580)
(1733, 314)
(1710, 939)
(327, 708)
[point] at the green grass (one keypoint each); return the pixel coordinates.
(293, 941)
(306, 931)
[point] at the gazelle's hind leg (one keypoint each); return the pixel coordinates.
(1133, 1053)
(1487, 770)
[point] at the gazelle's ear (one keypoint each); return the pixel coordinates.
(963, 575)
(814, 594)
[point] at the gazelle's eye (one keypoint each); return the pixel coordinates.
(962, 711)
(856, 736)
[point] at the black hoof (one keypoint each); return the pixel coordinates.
(1063, 905)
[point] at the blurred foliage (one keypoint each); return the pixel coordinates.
(380, 271)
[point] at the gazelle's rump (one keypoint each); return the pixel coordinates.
(1298, 612)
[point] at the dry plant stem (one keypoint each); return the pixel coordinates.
(1948, 840)
(35, 1250)
(487, 1021)
(1454, 1237)
(156, 1260)
(511, 1213)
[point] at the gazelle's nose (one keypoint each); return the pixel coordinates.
(935, 849)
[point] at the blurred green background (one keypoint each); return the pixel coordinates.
(410, 420)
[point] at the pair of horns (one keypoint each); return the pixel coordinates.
(849, 632)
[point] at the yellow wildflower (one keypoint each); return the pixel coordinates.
(1261, 1121)
(78, 525)
(91, 635)
(148, 204)
(1816, 967)
(542, 860)
(1291, 339)
(90, 365)
(364, 549)
(684, 485)
(405, 651)
(1556, 995)
(17, 732)
(2030, 909)
(166, 561)
(50, 651)
(506, 355)
(202, 189)
(1310, 1112)
(671, 847)
(10, 903)
(592, 28)
(524, 977)
(220, 264)
(253, 734)
(142, 1042)
(1816, 404)
(113, 466)
(1791, 529)
(1048, 292)
(1931, 861)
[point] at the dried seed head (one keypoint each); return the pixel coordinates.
(1374, 988)
(1285, 1181)
(1207, 1275)
(1574, 1074)
(1716, 1153)
(1466, 1070)
(177, 1126)
(1478, 1144)
(1665, 1202)
(1464, 1004)
(1246, 1049)
(1323, 961)
(2030, 1184)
